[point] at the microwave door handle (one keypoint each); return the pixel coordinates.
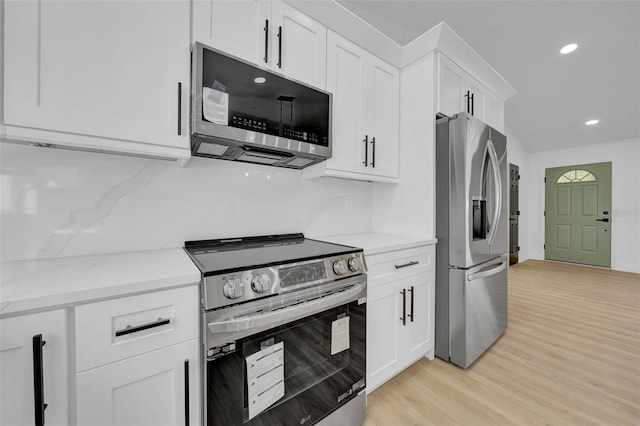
(497, 181)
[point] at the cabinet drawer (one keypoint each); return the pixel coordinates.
(399, 264)
(121, 328)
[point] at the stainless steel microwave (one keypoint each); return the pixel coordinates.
(247, 113)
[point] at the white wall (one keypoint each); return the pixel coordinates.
(62, 203)
(518, 155)
(625, 196)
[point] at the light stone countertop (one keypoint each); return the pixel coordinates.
(376, 243)
(47, 283)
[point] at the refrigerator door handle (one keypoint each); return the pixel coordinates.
(497, 189)
(502, 264)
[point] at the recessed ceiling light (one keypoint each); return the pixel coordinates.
(568, 48)
(259, 80)
(592, 122)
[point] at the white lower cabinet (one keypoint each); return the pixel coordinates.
(137, 360)
(400, 314)
(20, 361)
(157, 388)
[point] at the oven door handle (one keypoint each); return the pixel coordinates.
(290, 313)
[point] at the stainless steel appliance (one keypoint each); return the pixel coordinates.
(471, 227)
(246, 113)
(283, 329)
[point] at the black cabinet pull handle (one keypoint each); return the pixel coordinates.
(366, 150)
(38, 380)
(411, 308)
(266, 41)
(186, 392)
(179, 108)
(606, 219)
(468, 96)
(129, 329)
(404, 306)
(373, 154)
(472, 104)
(407, 264)
(280, 47)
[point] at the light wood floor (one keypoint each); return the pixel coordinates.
(571, 355)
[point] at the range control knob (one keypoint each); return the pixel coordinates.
(233, 288)
(340, 267)
(260, 283)
(354, 264)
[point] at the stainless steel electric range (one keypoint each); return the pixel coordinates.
(283, 329)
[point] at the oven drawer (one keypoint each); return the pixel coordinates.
(116, 329)
(399, 264)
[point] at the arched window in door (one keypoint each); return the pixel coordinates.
(576, 175)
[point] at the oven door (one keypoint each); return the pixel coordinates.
(294, 373)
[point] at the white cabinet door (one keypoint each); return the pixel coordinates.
(242, 28)
(383, 103)
(108, 69)
(494, 112)
(299, 45)
(477, 102)
(148, 389)
(450, 88)
(365, 115)
(458, 91)
(17, 368)
(420, 339)
(384, 309)
(347, 65)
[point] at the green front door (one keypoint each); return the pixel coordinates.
(578, 214)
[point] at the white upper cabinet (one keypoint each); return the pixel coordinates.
(365, 115)
(271, 34)
(383, 106)
(346, 67)
(299, 45)
(458, 91)
(242, 28)
(102, 75)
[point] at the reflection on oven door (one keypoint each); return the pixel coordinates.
(322, 367)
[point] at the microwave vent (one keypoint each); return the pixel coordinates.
(300, 162)
(212, 149)
(258, 157)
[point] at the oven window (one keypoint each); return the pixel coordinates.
(305, 370)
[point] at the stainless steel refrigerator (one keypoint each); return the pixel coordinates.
(471, 227)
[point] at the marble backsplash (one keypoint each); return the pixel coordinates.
(56, 202)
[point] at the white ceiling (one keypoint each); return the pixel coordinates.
(521, 40)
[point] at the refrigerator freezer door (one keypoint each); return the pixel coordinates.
(478, 309)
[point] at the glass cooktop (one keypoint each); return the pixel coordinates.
(235, 254)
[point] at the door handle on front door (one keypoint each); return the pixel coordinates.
(606, 219)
